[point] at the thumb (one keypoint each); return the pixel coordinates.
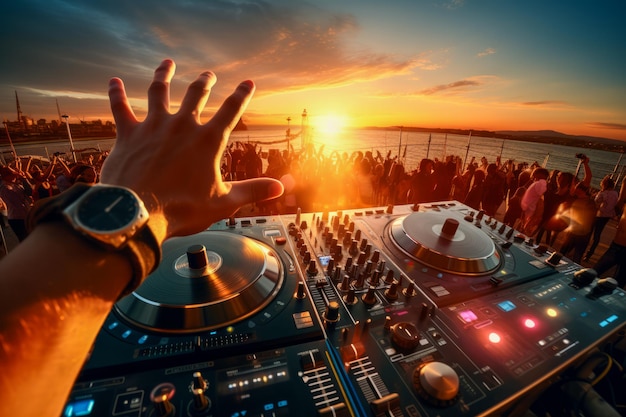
(254, 190)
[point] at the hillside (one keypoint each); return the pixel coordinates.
(544, 136)
(551, 136)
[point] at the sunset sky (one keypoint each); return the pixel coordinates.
(471, 64)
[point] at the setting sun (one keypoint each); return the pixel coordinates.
(329, 124)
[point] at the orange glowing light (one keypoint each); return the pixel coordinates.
(329, 124)
(552, 312)
(494, 338)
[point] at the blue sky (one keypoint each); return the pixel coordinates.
(473, 64)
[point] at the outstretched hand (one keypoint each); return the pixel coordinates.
(173, 160)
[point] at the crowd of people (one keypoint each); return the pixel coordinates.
(539, 203)
(23, 181)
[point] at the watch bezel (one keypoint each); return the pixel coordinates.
(114, 238)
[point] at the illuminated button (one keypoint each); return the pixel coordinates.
(552, 312)
(303, 320)
(79, 408)
(494, 338)
(468, 316)
(506, 305)
(529, 323)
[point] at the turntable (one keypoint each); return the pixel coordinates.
(220, 291)
(454, 254)
(208, 281)
(446, 244)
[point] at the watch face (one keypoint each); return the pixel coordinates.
(108, 209)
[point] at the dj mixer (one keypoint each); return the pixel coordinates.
(431, 310)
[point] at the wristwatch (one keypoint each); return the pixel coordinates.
(112, 217)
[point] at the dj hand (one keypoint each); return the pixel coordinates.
(173, 160)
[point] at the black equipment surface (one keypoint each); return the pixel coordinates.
(396, 311)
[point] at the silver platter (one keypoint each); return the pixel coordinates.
(241, 276)
(426, 238)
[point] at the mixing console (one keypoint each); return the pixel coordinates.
(435, 310)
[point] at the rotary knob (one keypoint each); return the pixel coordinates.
(437, 383)
(161, 397)
(405, 335)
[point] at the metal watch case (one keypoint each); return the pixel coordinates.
(108, 214)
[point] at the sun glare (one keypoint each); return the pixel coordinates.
(330, 124)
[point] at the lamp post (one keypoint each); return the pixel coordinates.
(288, 132)
(400, 143)
(69, 134)
(6, 128)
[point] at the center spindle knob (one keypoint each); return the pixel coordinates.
(449, 228)
(197, 257)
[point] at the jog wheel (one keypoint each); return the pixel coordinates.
(437, 383)
(445, 244)
(205, 281)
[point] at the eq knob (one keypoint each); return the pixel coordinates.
(437, 383)
(161, 397)
(391, 293)
(405, 335)
(369, 298)
(200, 404)
(331, 315)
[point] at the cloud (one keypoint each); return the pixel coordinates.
(543, 103)
(486, 52)
(282, 45)
(454, 87)
(454, 4)
(603, 125)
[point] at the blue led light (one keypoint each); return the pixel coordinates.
(506, 305)
(282, 403)
(79, 408)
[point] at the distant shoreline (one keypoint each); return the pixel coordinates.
(543, 136)
(548, 137)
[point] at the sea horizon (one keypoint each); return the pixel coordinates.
(411, 145)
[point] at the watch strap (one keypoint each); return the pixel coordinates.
(50, 208)
(143, 249)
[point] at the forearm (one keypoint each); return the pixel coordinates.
(587, 178)
(48, 327)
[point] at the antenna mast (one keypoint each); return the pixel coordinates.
(59, 111)
(19, 111)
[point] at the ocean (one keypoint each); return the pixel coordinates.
(412, 146)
